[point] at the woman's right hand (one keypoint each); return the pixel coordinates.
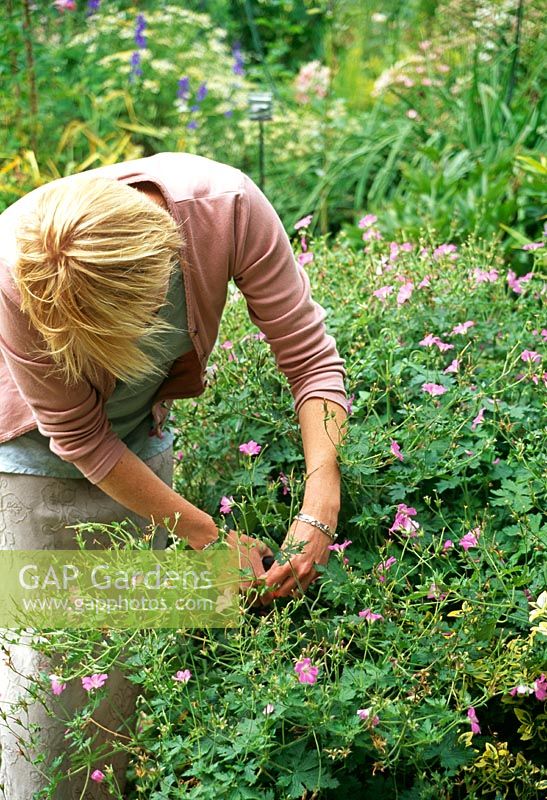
(251, 553)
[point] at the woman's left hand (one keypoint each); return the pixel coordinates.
(295, 575)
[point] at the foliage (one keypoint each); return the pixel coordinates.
(458, 580)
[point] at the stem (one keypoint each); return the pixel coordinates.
(31, 74)
(13, 61)
(516, 52)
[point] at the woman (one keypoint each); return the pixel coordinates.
(112, 286)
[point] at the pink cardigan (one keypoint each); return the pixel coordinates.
(231, 231)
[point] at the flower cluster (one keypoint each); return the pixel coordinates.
(312, 81)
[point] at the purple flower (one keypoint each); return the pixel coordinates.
(140, 25)
(183, 91)
(238, 64)
(471, 539)
(98, 776)
(540, 687)
(93, 6)
(201, 92)
(192, 125)
(136, 70)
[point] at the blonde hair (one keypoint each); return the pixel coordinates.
(94, 256)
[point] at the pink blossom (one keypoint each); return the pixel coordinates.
(226, 504)
(303, 223)
(182, 675)
(383, 567)
(407, 247)
(250, 448)
(284, 482)
(382, 293)
(445, 250)
(227, 345)
(393, 251)
(97, 776)
(533, 245)
(305, 671)
(405, 293)
(259, 336)
(305, 258)
(520, 690)
(369, 615)
(452, 367)
(303, 244)
(57, 687)
(479, 419)
(364, 714)
(475, 728)
(371, 233)
(349, 403)
(434, 389)
(543, 334)
(462, 327)
(403, 522)
(448, 543)
(65, 5)
(367, 221)
(471, 539)
(516, 283)
(425, 45)
(396, 450)
(530, 355)
(179, 455)
(485, 276)
(430, 340)
(339, 547)
(268, 709)
(425, 282)
(540, 687)
(94, 681)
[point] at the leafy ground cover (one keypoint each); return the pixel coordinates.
(416, 667)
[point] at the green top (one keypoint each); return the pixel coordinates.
(128, 408)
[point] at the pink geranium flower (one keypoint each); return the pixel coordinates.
(425, 282)
(475, 727)
(364, 714)
(434, 389)
(306, 672)
(339, 547)
(405, 293)
(452, 367)
(226, 504)
(65, 5)
(471, 539)
(530, 355)
(396, 450)
(250, 448)
(227, 345)
(447, 544)
(485, 276)
(383, 567)
(520, 690)
(97, 776)
(305, 258)
(403, 522)
(383, 292)
(57, 686)
(516, 283)
(479, 419)
(533, 246)
(540, 687)
(369, 615)
(94, 681)
(462, 327)
(182, 675)
(367, 221)
(303, 223)
(445, 250)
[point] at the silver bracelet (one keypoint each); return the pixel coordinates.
(316, 524)
(213, 541)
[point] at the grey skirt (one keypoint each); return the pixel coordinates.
(34, 513)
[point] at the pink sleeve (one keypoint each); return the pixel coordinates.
(73, 417)
(277, 291)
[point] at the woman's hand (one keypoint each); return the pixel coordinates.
(296, 575)
(251, 553)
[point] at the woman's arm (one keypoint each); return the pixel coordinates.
(321, 422)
